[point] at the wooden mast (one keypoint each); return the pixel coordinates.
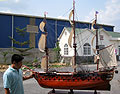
(74, 43)
(46, 49)
(97, 46)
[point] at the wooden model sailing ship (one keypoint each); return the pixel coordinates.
(77, 80)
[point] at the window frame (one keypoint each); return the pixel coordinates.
(86, 49)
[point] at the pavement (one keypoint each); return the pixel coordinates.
(32, 87)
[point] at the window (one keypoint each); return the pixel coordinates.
(101, 37)
(65, 49)
(87, 49)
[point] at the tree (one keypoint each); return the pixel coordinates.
(57, 50)
(21, 32)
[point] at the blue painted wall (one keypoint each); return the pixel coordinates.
(23, 21)
(20, 22)
(5, 31)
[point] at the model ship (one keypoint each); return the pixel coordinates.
(77, 80)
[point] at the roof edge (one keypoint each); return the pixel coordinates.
(25, 15)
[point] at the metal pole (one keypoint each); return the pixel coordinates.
(56, 30)
(74, 44)
(12, 30)
(97, 46)
(46, 49)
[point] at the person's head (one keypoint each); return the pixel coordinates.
(16, 60)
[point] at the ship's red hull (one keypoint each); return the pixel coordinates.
(92, 81)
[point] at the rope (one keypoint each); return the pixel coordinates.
(28, 68)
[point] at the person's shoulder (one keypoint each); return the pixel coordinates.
(7, 72)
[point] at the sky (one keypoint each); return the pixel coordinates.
(109, 10)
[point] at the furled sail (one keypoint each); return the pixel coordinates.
(42, 43)
(42, 25)
(107, 57)
(70, 38)
(42, 40)
(93, 25)
(70, 15)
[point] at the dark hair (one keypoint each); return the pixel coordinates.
(17, 58)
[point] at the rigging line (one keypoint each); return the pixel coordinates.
(67, 12)
(84, 41)
(50, 27)
(82, 46)
(50, 39)
(101, 42)
(68, 25)
(99, 37)
(59, 24)
(76, 15)
(91, 23)
(105, 63)
(79, 40)
(83, 23)
(36, 35)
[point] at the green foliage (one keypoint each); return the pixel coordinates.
(21, 32)
(19, 43)
(56, 66)
(35, 60)
(57, 50)
(22, 50)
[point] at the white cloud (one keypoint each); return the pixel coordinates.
(6, 11)
(17, 1)
(108, 16)
(14, 6)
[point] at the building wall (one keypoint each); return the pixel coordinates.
(9, 22)
(63, 41)
(85, 37)
(5, 31)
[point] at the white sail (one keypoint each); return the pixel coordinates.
(70, 15)
(107, 57)
(42, 25)
(42, 42)
(70, 38)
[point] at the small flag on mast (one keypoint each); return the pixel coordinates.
(94, 22)
(96, 12)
